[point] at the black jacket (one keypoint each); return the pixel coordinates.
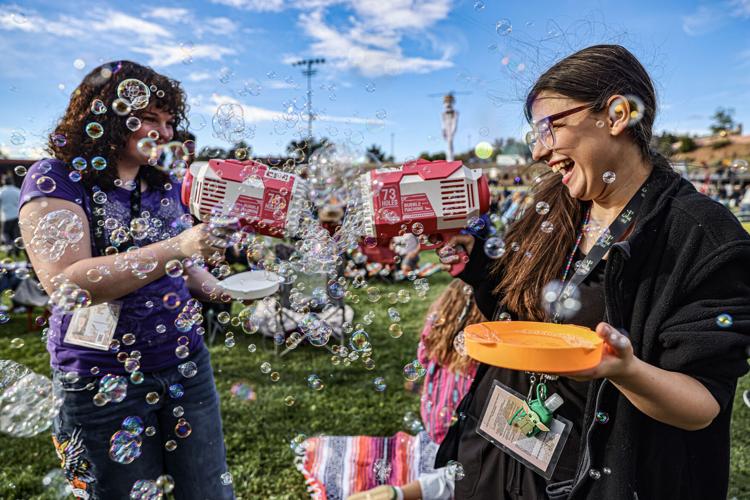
(686, 262)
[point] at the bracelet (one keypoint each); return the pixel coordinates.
(399, 495)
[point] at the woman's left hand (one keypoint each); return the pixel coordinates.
(617, 361)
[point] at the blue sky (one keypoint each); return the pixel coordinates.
(384, 60)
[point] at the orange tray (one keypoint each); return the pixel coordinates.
(534, 347)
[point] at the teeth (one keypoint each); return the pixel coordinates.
(562, 165)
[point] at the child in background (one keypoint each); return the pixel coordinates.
(449, 376)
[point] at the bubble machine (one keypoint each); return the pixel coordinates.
(261, 197)
(432, 199)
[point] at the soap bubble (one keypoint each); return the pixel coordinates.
(145, 489)
(182, 429)
(98, 163)
(28, 401)
(98, 107)
(125, 447)
(133, 123)
(188, 369)
(542, 208)
(413, 370)
(503, 27)
(382, 470)
(114, 388)
(133, 425)
(494, 247)
(380, 384)
(724, 320)
(46, 184)
(94, 130)
(135, 92)
(455, 470)
(314, 382)
(554, 304)
(226, 478)
(609, 177)
(547, 227)
(121, 107)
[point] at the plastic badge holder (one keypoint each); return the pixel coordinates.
(534, 347)
(251, 285)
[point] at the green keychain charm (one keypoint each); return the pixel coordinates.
(535, 416)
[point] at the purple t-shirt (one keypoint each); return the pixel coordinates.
(143, 312)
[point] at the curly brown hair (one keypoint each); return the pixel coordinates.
(448, 308)
(101, 83)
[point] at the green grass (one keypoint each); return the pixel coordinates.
(257, 433)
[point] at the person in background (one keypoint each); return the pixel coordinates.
(449, 374)
(407, 247)
(9, 198)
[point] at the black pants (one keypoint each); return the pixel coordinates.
(11, 231)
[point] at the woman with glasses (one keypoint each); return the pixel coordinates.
(620, 243)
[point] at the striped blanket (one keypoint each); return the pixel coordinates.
(338, 466)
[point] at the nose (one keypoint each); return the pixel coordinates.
(165, 131)
(540, 151)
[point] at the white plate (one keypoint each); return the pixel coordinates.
(251, 285)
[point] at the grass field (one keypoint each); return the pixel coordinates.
(257, 433)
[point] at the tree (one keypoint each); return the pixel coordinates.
(687, 144)
(301, 149)
(663, 143)
(209, 152)
(375, 153)
(432, 157)
(723, 120)
(244, 151)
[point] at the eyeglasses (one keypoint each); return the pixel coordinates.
(543, 130)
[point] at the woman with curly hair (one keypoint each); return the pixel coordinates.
(113, 246)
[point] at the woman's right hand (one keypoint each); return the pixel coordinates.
(456, 243)
(202, 240)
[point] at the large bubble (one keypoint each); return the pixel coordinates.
(54, 232)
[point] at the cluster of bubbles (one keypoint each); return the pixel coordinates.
(28, 401)
(125, 444)
(54, 233)
(229, 122)
(147, 489)
(558, 305)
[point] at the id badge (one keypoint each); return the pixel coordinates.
(94, 326)
(539, 453)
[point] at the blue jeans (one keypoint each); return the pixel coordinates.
(82, 433)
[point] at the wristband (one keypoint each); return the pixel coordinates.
(398, 492)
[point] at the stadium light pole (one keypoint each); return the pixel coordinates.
(308, 71)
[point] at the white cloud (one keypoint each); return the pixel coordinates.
(199, 76)
(162, 55)
(369, 40)
(741, 8)
(255, 114)
(172, 14)
(383, 56)
(112, 20)
(220, 25)
(254, 5)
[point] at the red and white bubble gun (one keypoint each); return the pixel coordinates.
(433, 199)
(262, 198)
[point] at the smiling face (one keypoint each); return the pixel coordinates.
(587, 144)
(152, 119)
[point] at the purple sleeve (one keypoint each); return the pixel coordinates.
(49, 179)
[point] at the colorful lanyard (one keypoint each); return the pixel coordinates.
(97, 216)
(606, 240)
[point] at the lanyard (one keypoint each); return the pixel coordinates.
(97, 215)
(605, 241)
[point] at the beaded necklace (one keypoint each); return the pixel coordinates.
(578, 243)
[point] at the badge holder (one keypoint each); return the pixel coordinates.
(527, 431)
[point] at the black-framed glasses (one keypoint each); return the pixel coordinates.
(543, 130)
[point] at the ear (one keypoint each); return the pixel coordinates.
(619, 110)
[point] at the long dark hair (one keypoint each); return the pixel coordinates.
(70, 140)
(591, 76)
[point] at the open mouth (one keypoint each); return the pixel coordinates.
(565, 167)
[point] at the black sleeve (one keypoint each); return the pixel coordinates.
(478, 273)
(708, 335)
